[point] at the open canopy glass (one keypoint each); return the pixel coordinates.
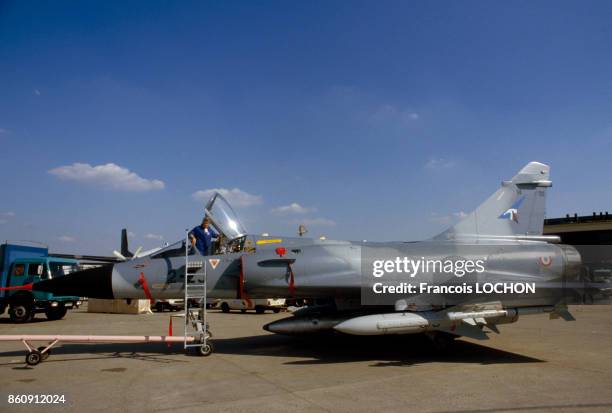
(223, 217)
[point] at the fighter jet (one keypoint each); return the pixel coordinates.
(504, 232)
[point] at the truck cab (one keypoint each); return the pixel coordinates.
(23, 265)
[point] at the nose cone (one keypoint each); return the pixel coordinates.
(360, 326)
(289, 326)
(92, 283)
(302, 325)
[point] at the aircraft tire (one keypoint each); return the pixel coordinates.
(225, 307)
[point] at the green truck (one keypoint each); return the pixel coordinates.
(21, 265)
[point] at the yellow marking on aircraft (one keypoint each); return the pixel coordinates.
(268, 241)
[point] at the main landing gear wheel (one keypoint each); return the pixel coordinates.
(33, 358)
(44, 355)
(206, 349)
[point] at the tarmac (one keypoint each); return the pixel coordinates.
(534, 365)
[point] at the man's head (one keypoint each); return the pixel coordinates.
(205, 223)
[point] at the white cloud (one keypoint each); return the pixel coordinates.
(390, 113)
(3, 131)
(109, 176)
(6, 216)
(293, 208)
(154, 237)
(66, 238)
(37, 92)
(130, 234)
(439, 163)
(236, 197)
(316, 222)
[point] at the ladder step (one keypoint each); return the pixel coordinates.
(195, 293)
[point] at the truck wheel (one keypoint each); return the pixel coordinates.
(33, 358)
(56, 313)
(225, 307)
(276, 310)
(159, 307)
(259, 309)
(21, 312)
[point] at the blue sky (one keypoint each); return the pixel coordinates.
(363, 120)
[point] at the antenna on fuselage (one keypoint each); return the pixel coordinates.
(302, 230)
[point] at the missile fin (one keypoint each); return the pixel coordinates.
(493, 328)
(465, 330)
(469, 321)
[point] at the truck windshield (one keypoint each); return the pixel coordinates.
(59, 269)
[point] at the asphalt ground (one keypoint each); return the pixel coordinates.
(534, 365)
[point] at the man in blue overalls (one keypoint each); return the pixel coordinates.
(202, 237)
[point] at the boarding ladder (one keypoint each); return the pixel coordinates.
(196, 333)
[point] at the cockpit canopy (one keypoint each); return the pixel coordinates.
(225, 220)
(223, 217)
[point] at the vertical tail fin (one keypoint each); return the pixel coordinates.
(125, 251)
(516, 208)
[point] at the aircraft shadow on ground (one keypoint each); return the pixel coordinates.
(382, 351)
